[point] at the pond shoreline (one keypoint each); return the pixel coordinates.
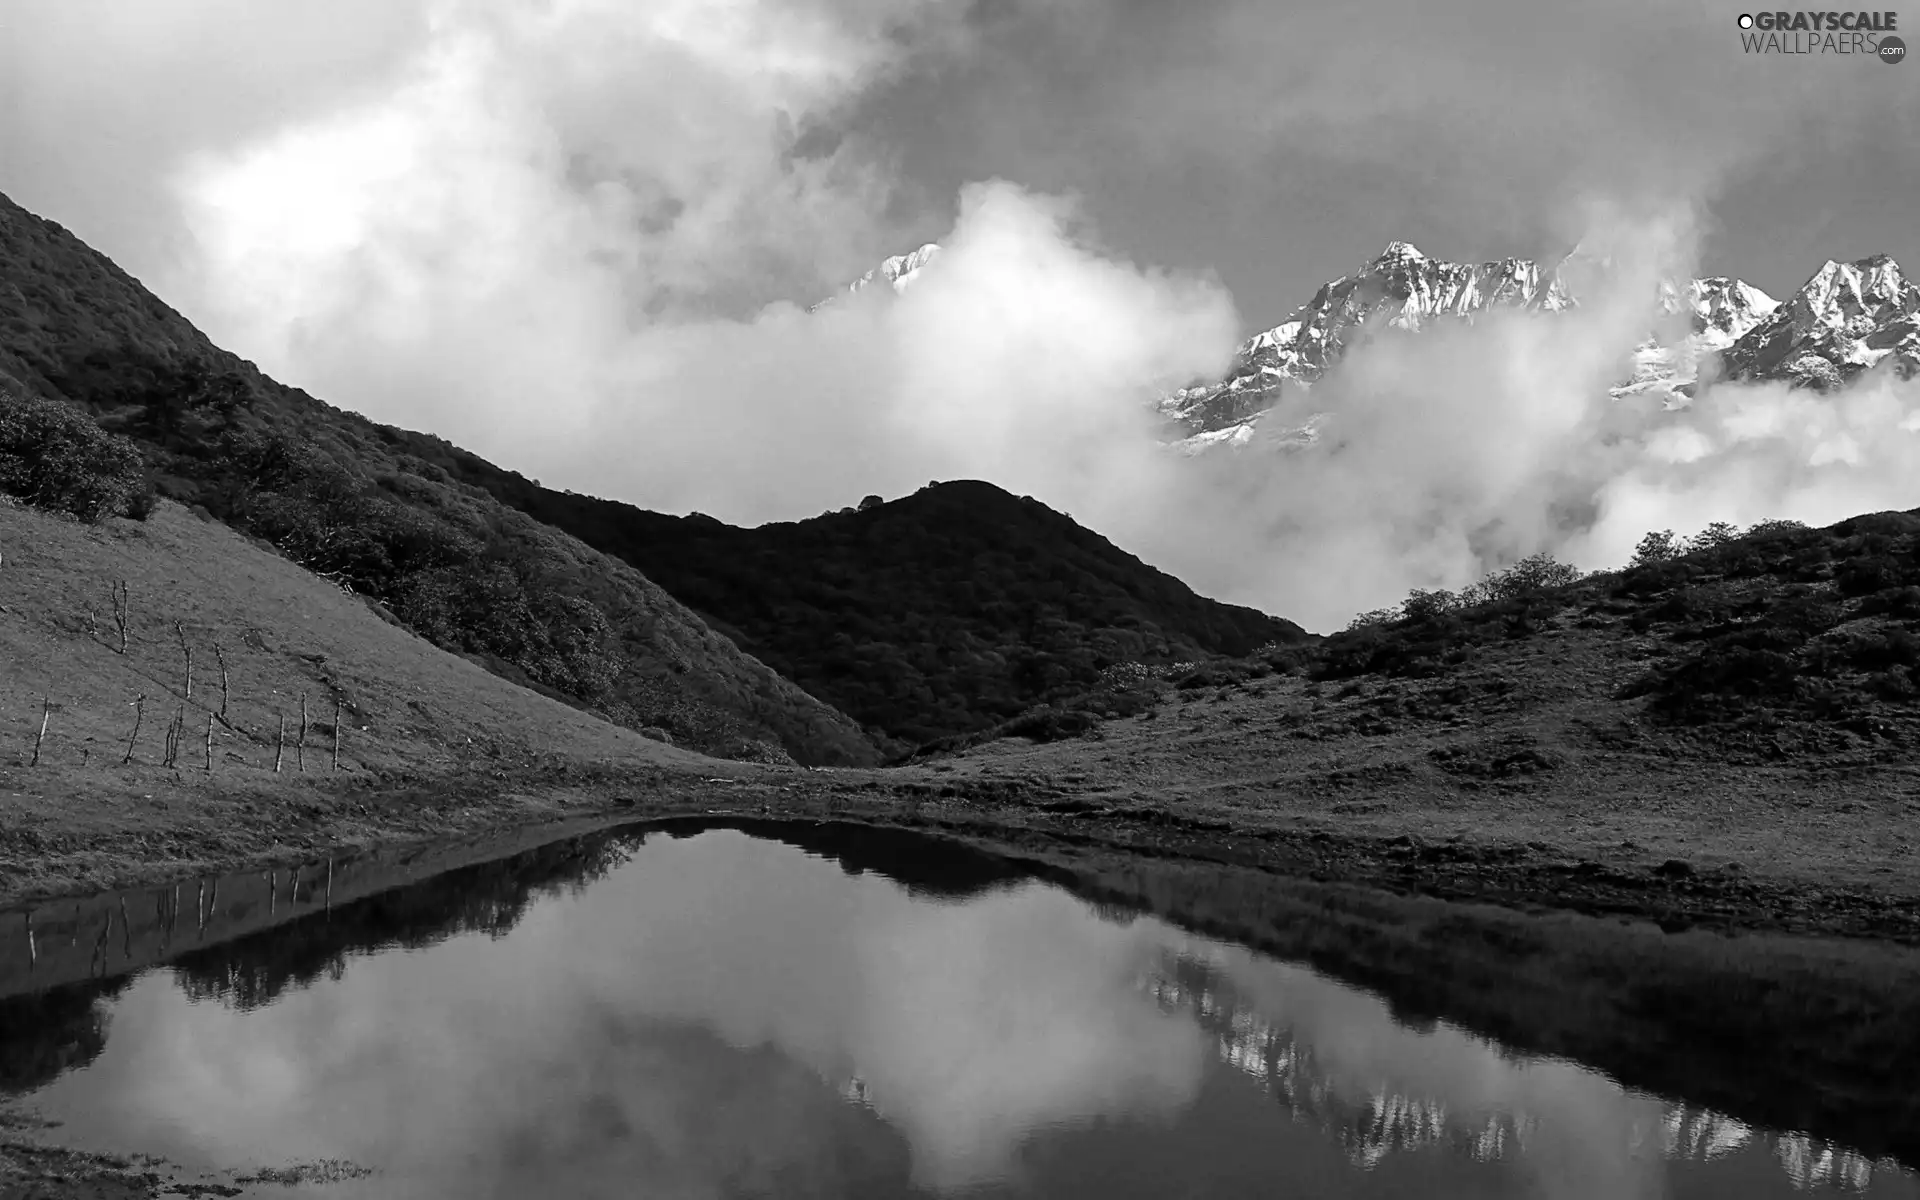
(1449, 937)
(68, 843)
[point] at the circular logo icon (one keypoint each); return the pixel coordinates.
(1892, 49)
(1746, 20)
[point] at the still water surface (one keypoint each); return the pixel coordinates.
(722, 1015)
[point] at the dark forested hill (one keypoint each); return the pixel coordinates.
(358, 504)
(944, 612)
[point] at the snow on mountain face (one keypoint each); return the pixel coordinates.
(899, 271)
(1720, 312)
(1401, 289)
(1847, 318)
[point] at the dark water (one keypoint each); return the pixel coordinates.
(723, 1015)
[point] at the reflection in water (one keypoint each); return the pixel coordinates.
(1371, 1122)
(722, 1015)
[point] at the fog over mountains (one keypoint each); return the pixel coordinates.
(1438, 419)
(581, 240)
(1845, 320)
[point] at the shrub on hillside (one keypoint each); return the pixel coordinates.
(54, 457)
(465, 590)
(1531, 575)
(1431, 630)
(492, 608)
(1892, 602)
(1658, 546)
(1423, 605)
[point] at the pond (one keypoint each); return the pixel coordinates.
(709, 1012)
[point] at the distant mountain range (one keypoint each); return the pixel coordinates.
(1847, 318)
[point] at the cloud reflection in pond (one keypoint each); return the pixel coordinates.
(696, 1022)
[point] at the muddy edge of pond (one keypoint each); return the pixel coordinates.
(62, 841)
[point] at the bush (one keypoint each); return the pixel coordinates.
(1374, 618)
(1892, 602)
(1654, 577)
(54, 457)
(1531, 575)
(488, 607)
(1422, 605)
(1884, 650)
(1874, 573)
(1659, 546)
(143, 501)
(1714, 536)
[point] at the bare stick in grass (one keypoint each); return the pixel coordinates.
(139, 710)
(122, 609)
(300, 747)
(336, 733)
(209, 743)
(186, 651)
(280, 747)
(46, 711)
(221, 658)
(174, 734)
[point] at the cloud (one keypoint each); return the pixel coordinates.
(577, 237)
(100, 100)
(1454, 452)
(1487, 119)
(1441, 455)
(694, 1051)
(1752, 452)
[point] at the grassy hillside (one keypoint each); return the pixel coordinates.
(356, 503)
(430, 742)
(190, 583)
(1748, 704)
(940, 613)
(1770, 646)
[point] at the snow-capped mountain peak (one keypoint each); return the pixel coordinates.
(1847, 318)
(1401, 289)
(900, 270)
(1721, 307)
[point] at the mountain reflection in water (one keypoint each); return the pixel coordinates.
(721, 1015)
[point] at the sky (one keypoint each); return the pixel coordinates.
(577, 236)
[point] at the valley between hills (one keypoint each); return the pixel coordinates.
(1722, 735)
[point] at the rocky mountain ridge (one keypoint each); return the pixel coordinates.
(1846, 319)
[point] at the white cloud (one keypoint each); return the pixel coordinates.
(568, 236)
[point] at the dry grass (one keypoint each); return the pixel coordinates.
(1526, 743)
(427, 737)
(406, 704)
